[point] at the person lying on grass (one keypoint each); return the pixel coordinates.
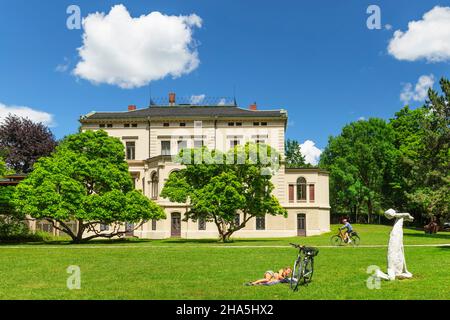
(271, 277)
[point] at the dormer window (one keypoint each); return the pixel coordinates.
(231, 124)
(182, 124)
(256, 124)
(166, 124)
(109, 125)
(264, 123)
(102, 125)
(134, 125)
(238, 124)
(126, 125)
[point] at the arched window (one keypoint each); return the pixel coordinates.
(155, 188)
(301, 189)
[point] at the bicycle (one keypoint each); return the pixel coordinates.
(303, 266)
(338, 239)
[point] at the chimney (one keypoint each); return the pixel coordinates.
(131, 107)
(253, 107)
(171, 99)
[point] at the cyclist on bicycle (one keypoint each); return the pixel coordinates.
(348, 231)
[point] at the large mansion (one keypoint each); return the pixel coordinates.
(152, 135)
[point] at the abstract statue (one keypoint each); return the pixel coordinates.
(396, 265)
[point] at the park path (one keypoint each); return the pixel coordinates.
(180, 246)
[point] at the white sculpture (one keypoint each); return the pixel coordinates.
(396, 265)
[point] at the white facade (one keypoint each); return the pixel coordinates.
(147, 136)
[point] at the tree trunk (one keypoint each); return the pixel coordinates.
(369, 210)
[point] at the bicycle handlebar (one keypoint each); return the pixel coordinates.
(297, 246)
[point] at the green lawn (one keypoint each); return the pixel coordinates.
(189, 269)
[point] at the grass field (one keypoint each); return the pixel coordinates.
(205, 269)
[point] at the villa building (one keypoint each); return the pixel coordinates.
(152, 135)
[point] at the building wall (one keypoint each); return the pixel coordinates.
(217, 135)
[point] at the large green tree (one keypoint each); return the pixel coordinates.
(429, 190)
(359, 160)
(85, 180)
(219, 186)
(294, 157)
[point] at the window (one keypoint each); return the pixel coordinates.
(198, 143)
(165, 148)
(198, 124)
(237, 219)
(109, 125)
(153, 224)
(134, 125)
(104, 227)
(102, 125)
(231, 124)
(155, 187)
(133, 181)
(143, 185)
(260, 223)
(260, 141)
(234, 143)
(238, 124)
(126, 125)
(166, 124)
(182, 144)
(182, 124)
(301, 189)
(131, 150)
(201, 224)
(256, 123)
(311, 193)
(291, 193)
(264, 123)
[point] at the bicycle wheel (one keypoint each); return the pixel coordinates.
(296, 275)
(308, 270)
(355, 240)
(336, 241)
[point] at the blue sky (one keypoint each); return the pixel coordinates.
(316, 59)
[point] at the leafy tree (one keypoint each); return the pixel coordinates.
(85, 180)
(431, 173)
(359, 160)
(220, 186)
(23, 141)
(294, 157)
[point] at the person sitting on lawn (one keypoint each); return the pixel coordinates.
(271, 277)
(348, 230)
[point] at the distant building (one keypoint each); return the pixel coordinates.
(151, 136)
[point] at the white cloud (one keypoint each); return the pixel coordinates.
(310, 152)
(196, 99)
(222, 102)
(63, 67)
(131, 52)
(26, 112)
(362, 118)
(419, 92)
(427, 39)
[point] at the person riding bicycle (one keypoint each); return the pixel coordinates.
(348, 230)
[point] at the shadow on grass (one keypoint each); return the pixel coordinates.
(63, 242)
(215, 241)
(445, 236)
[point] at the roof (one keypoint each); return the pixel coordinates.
(181, 111)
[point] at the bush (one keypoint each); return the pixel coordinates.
(13, 230)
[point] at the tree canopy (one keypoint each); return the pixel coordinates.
(23, 141)
(404, 163)
(85, 180)
(294, 157)
(221, 186)
(359, 159)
